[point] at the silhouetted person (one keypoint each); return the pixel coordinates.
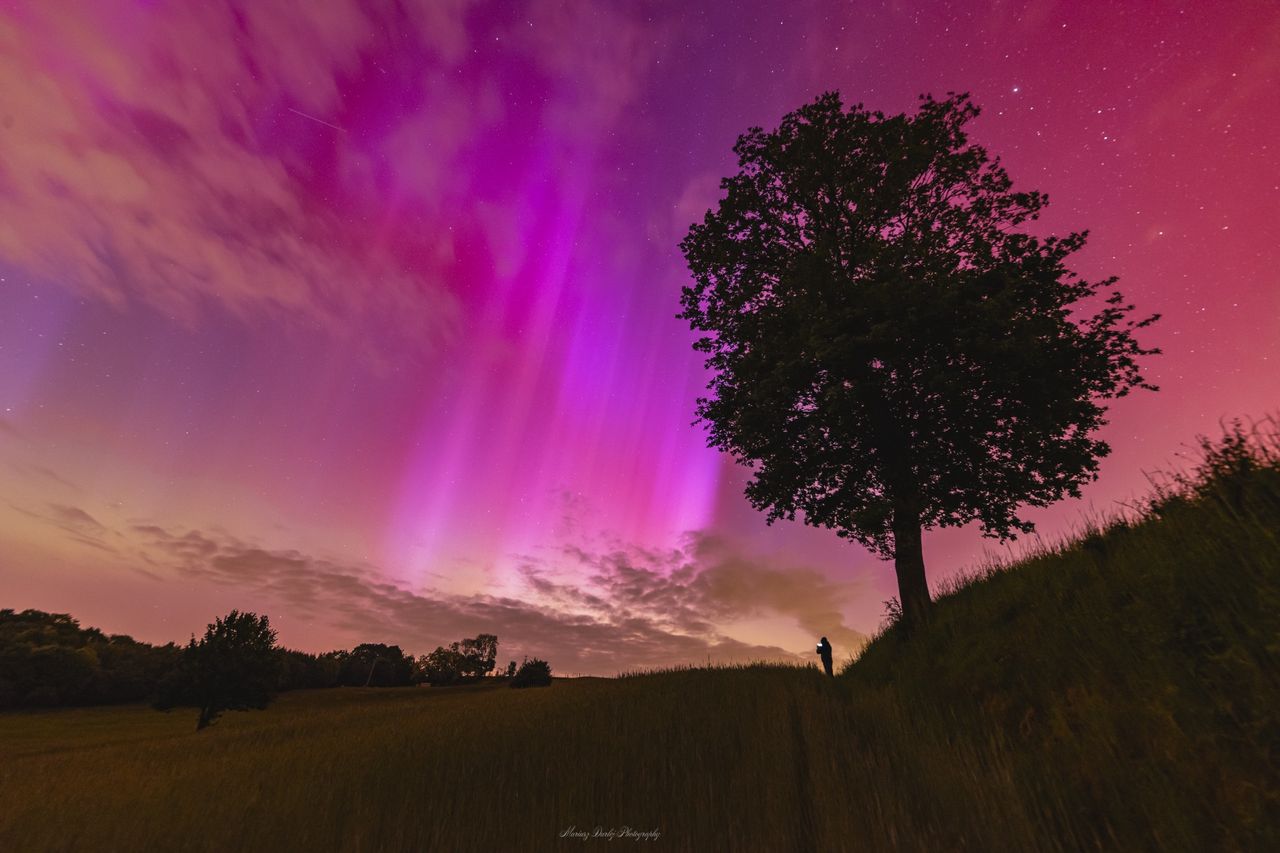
(824, 651)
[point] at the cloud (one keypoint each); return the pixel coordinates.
(1236, 79)
(701, 193)
(73, 517)
(704, 583)
(184, 157)
(593, 613)
(78, 525)
(152, 155)
(578, 632)
(601, 50)
(32, 470)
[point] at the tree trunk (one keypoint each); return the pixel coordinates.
(372, 667)
(908, 563)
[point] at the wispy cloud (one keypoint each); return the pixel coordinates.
(76, 524)
(227, 156)
(35, 471)
(634, 608)
(703, 584)
(640, 619)
(147, 161)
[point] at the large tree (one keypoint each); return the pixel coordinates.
(889, 351)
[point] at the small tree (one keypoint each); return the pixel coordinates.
(233, 667)
(532, 673)
(441, 667)
(479, 654)
(888, 352)
(463, 660)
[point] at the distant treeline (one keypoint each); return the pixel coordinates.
(48, 660)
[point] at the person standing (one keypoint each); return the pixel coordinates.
(824, 651)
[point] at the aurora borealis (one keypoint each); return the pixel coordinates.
(364, 317)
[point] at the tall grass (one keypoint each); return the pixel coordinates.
(1131, 677)
(1118, 692)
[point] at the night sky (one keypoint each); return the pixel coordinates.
(364, 318)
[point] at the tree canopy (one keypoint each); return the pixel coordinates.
(466, 659)
(889, 351)
(233, 667)
(47, 659)
(376, 665)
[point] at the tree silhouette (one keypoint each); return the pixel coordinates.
(532, 673)
(376, 665)
(464, 660)
(441, 667)
(233, 667)
(888, 352)
(479, 653)
(47, 659)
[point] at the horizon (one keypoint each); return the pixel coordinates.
(365, 320)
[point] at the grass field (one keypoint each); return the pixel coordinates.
(1118, 693)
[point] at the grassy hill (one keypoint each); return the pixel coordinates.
(1120, 693)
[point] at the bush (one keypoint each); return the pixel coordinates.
(532, 673)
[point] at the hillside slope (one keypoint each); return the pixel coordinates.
(1126, 684)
